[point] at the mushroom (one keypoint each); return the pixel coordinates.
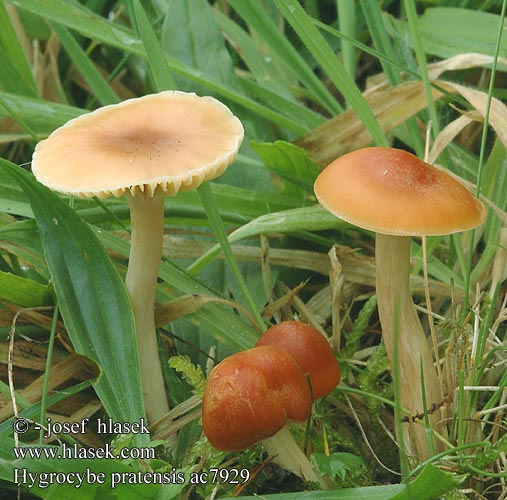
(397, 195)
(144, 149)
(250, 395)
(248, 399)
(310, 349)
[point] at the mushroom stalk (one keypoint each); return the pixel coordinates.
(395, 307)
(288, 455)
(147, 218)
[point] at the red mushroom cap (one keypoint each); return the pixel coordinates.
(310, 349)
(250, 395)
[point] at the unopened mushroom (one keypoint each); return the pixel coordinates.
(310, 349)
(144, 149)
(249, 398)
(250, 395)
(397, 195)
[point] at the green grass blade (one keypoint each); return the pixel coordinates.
(375, 20)
(324, 55)
(77, 17)
(491, 87)
(92, 299)
(373, 15)
(347, 22)
(421, 59)
(254, 15)
(99, 29)
(484, 137)
(217, 225)
(262, 68)
(41, 116)
(302, 117)
(16, 74)
(160, 71)
(211, 318)
(21, 291)
(47, 372)
(98, 85)
(288, 221)
(430, 484)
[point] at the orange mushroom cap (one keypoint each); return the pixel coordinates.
(250, 395)
(310, 349)
(162, 142)
(391, 191)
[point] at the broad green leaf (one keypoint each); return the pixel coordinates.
(200, 45)
(338, 464)
(448, 31)
(97, 476)
(292, 164)
(313, 218)
(21, 291)
(91, 296)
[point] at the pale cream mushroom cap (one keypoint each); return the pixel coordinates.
(163, 142)
(391, 191)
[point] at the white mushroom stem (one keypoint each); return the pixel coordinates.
(288, 455)
(396, 310)
(147, 218)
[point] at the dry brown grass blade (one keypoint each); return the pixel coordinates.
(71, 367)
(179, 307)
(28, 355)
(182, 248)
(187, 304)
(470, 60)
(177, 418)
(336, 281)
(283, 303)
(499, 269)
(464, 61)
(392, 107)
(357, 269)
(450, 132)
(34, 316)
(303, 312)
(346, 132)
(479, 100)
